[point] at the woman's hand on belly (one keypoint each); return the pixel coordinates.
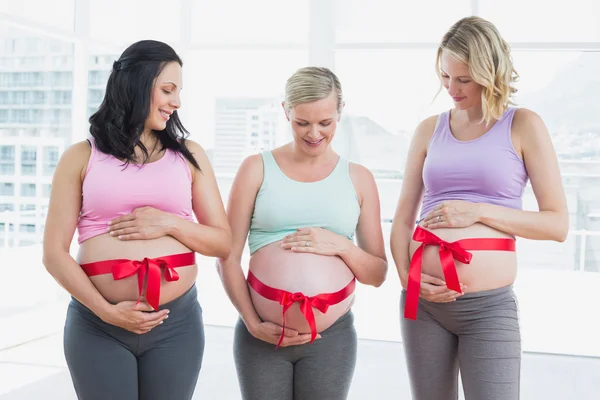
(316, 241)
(434, 290)
(142, 223)
(135, 317)
(452, 214)
(271, 333)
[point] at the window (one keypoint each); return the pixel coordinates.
(46, 190)
(393, 21)
(28, 189)
(285, 22)
(7, 189)
(28, 160)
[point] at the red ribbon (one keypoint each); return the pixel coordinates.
(124, 268)
(449, 251)
(321, 302)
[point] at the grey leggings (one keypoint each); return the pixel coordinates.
(108, 362)
(322, 370)
(478, 333)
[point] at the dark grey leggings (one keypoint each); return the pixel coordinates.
(322, 370)
(108, 362)
(478, 333)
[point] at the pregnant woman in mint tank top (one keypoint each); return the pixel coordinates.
(301, 205)
(466, 170)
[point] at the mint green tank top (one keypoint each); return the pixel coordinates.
(283, 205)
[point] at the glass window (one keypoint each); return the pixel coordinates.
(7, 189)
(28, 189)
(131, 22)
(230, 96)
(258, 21)
(396, 21)
(55, 13)
(564, 21)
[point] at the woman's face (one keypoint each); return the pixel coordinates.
(165, 96)
(457, 80)
(314, 124)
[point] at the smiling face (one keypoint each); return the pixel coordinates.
(459, 83)
(165, 97)
(314, 124)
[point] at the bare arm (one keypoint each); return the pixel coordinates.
(410, 198)
(63, 214)
(367, 260)
(551, 222)
(211, 236)
(240, 208)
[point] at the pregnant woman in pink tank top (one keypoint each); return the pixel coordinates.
(466, 170)
(132, 191)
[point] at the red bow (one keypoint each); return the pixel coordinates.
(306, 304)
(150, 266)
(449, 251)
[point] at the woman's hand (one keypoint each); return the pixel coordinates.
(135, 317)
(141, 224)
(316, 241)
(435, 290)
(452, 214)
(270, 333)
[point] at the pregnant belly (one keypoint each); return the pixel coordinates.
(106, 247)
(308, 274)
(487, 269)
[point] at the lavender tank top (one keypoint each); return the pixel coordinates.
(483, 170)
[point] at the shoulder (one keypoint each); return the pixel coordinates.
(363, 180)
(360, 172)
(425, 130)
(195, 148)
(524, 116)
(527, 125)
(253, 164)
(427, 126)
(75, 158)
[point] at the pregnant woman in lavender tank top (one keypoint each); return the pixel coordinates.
(467, 169)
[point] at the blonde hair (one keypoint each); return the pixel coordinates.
(477, 43)
(309, 84)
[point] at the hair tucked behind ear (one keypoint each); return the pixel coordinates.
(119, 122)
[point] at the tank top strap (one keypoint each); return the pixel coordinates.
(270, 167)
(342, 169)
(93, 154)
(507, 119)
(443, 126)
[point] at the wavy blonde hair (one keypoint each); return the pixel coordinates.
(477, 43)
(310, 84)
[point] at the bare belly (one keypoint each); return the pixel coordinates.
(487, 270)
(106, 247)
(309, 274)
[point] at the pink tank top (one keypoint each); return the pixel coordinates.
(483, 170)
(110, 190)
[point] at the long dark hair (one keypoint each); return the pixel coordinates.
(119, 122)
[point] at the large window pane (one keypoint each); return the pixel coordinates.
(397, 21)
(384, 105)
(544, 21)
(125, 22)
(36, 76)
(55, 13)
(258, 21)
(229, 95)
